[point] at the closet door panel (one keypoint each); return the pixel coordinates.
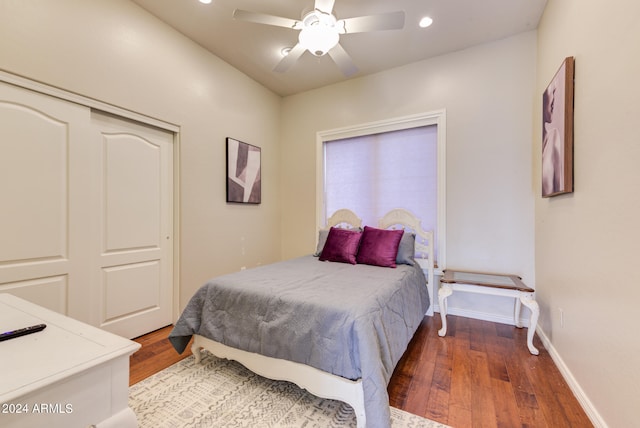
(49, 292)
(136, 224)
(44, 222)
(138, 281)
(132, 176)
(33, 184)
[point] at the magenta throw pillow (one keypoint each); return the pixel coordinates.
(379, 247)
(341, 246)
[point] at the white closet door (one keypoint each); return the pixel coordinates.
(43, 219)
(135, 217)
(86, 225)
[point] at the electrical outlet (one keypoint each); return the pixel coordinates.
(561, 317)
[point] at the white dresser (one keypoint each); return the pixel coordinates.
(68, 375)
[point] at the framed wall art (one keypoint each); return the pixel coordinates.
(244, 182)
(557, 132)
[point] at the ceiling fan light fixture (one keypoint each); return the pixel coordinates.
(318, 40)
(319, 33)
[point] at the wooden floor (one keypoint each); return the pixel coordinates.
(155, 355)
(480, 375)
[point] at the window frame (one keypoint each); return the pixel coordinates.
(437, 118)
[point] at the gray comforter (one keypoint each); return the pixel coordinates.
(353, 321)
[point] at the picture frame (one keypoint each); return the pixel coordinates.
(244, 172)
(557, 132)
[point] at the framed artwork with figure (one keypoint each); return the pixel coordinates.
(557, 132)
(244, 181)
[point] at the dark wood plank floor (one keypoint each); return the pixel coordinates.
(480, 375)
(156, 354)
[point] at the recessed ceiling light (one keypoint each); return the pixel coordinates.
(205, 1)
(425, 22)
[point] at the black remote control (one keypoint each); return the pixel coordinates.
(21, 332)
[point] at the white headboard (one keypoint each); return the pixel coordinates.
(344, 217)
(402, 219)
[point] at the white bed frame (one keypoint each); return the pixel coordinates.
(318, 382)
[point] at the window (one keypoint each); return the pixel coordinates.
(376, 169)
(373, 174)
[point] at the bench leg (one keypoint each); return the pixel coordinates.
(444, 292)
(516, 313)
(530, 303)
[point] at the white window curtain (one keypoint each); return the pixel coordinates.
(373, 174)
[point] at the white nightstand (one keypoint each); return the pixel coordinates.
(68, 375)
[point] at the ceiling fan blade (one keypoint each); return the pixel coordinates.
(360, 24)
(343, 60)
(263, 18)
(324, 6)
(290, 59)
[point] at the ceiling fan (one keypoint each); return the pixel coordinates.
(320, 32)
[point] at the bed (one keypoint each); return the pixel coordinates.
(336, 329)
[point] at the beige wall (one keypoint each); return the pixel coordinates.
(487, 92)
(585, 243)
(588, 242)
(113, 51)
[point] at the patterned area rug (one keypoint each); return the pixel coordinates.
(222, 393)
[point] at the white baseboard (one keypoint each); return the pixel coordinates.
(584, 401)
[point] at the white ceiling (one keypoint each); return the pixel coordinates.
(255, 49)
